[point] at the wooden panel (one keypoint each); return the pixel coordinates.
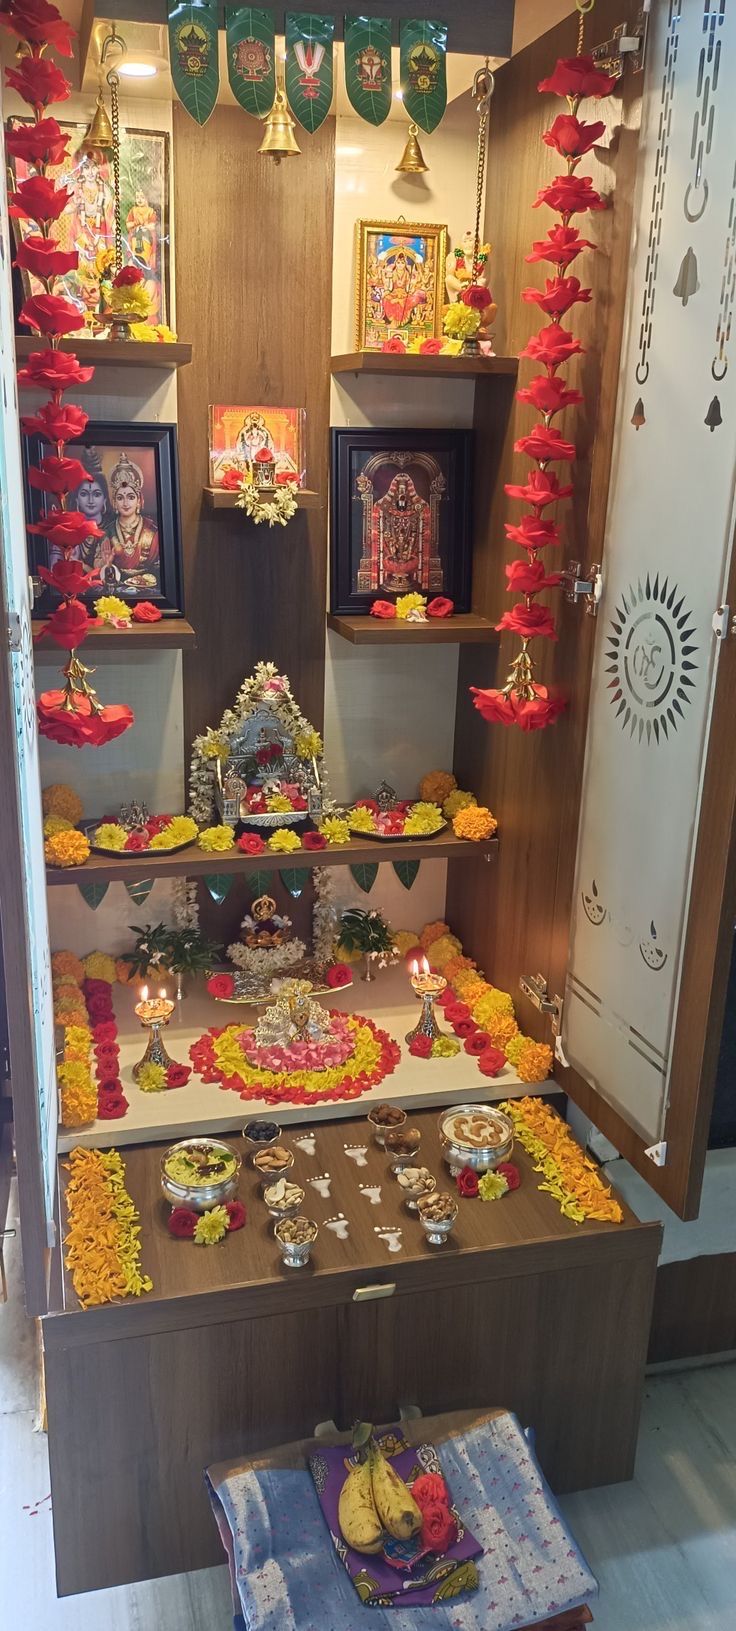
(220, 498)
(171, 634)
(694, 1309)
(466, 628)
(115, 353)
(381, 362)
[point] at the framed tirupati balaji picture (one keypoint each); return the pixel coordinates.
(400, 516)
(130, 491)
(400, 269)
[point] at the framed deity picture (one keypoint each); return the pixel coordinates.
(400, 279)
(87, 224)
(241, 436)
(131, 492)
(400, 516)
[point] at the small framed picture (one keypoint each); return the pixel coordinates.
(400, 516)
(400, 279)
(241, 437)
(130, 491)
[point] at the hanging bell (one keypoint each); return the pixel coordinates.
(412, 162)
(99, 135)
(279, 140)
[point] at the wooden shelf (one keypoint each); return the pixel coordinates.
(114, 353)
(195, 863)
(222, 498)
(387, 362)
(465, 628)
(171, 634)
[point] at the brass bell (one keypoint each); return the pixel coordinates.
(279, 140)
(99, 135)
(412, 162)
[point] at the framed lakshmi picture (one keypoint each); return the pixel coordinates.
(87, 224)
(400, 516)
(400, 279)
(131, 492)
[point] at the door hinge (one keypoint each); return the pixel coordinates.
(534, 986)
(722, 623)
(588, 588)
(658, 1153)
(15, 632)
(627, 43)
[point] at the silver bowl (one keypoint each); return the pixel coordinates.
(397, 1160)
(200, 1197)
(280, 1212)
(436, 1229)
(411, 1197)
(274, 1173)
(255, 1144)
(481, 1158)
(380, 1129)
(293, 1256)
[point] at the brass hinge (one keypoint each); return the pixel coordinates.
(575, 587)
(534, 986)
(627, 44)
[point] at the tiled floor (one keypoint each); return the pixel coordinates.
(663, 1547)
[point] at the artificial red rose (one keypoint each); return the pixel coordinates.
(572, 137)
(339, 974)
(68, 577)
(395, 346)
(491, 1061)
(494, 706)
(221, 985)
(92, 987)
(40, 23)
(66, 529)
(182, 1223)
(476, 1044)
(529, 578)
(509, 1171)
(576, 77)
(136, 840)
(39, 143)
(558, 295)
(456, 1010)
(420, 1046)
(368, 804)
(38, 199)
(543, 445)
(99, 1007)
(431, 347)
(314, 840)
(177, 1075)
(534, 533)
(55, 475)
(110, 1086)
(383, 608)
(236, 1215)
(107, 1054)
(476, 297)
(542, 488)
(127, 277)
(144, 611)
(43, 258)
(464, 1027)
(251, 844)
(298, 802)
(570, 195)
(561, 246)
(439, 1528)
(53, 371)
(264, 456)
(38, 82)
(106, 1032)
(467, 1183)
(549, 394)
(529, 621)
(50, 314)
(68, 625)
(535, 713)
(231, 479)
(552, 345)
(56, 423)
(430, 1489)
(111, 1106)
(80, 726)
(440, 606)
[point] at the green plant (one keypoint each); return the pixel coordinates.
(162, 950)
(365, 932)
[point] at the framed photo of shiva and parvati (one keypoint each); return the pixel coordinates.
(131, 492)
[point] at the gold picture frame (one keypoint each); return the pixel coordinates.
(399, 281)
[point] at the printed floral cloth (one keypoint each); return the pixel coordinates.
(287, 1576)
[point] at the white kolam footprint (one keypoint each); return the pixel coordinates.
(357, 1153)
(307, 1143)
(339, 1226)
(322, 1185)
(372, 1193)
(391, 1237)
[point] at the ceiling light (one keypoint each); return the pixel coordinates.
(136, 70)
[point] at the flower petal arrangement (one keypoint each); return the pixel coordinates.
(366, 1056)
(523, 701)
(102, 1249)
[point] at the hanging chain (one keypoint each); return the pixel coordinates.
(584, 7)
(483, 88)
(113, 82)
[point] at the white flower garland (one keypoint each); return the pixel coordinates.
(276, 509)
(264, 960)
(324, 914)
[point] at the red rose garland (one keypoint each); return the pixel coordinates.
(522, 701)
(72, 716)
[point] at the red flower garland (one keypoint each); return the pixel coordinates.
(72, 716)
(523, 701)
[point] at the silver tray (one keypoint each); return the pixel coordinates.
(89, 827)
(274, 818)
(251, 991)
(396, 837)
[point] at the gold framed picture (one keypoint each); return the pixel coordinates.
(400, 271)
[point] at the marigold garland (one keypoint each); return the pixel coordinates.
(88, 1074)
(102, 1242)
(480, 1014)
(570, 1175)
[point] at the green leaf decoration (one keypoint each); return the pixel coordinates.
(295, 879)
(258, 883)
(368, 66)
(406, 872)
(309, 43)
(423, 59)
(219, 885)
(193, 53)
(365, 874)
(93, 893)
(251, 57)
(139, 891)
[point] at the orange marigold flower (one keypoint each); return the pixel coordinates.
(66, 849)
(475, 822)
(64, 963)
(442, 949)
(432, 932)
(531, 1060)
(60, 800)
(436, 786)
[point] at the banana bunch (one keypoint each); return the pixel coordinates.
(374, 1501)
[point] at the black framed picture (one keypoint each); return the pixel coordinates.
(401, 514)
(131, 492)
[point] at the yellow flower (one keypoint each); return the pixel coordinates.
(181, 830)
(531, 1060)
(432, 932)
(98, 966)
(469, 985)
(65, 963)
(308, 744)
(152, 331)
(335, 830)
(111, 609)
(405, 940)
(362, 820)
(443, 949)
(151, 1078)
(55, 824)
(133, 298)
(77, 1037)
(457, 801)
(213, 746)
(492, 1186)
(60, 800)
(444, 1047)
(437, 785)
(423, 818)
(278, 803)
(283, 840)
(410, 603)
(102, 1244)
(211, 1227)
(343, 955)
(460, 322)
(213, 839)
(66, 849)
(452, 348)
(110, 835)
(476, 822)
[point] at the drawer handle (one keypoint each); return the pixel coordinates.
(368, 1294)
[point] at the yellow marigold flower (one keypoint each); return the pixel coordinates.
(98, 966)
(66, 849)
(432, 931)
(308, 744)
(213, 746)
(151, 1078)
(211, 1227)
(437, 785)
(442, 950)
(284, 840)
(56, 823)
(278, 803)
(60, 800)
(531, 1060)
(111, 609)
(65, 963)
(410, 603)
(475, 822)
(132, 298)
(405, 940)
(492, 1186)
(110, 835)
(460, 322)
(492, 1003)
(444, 1047)
(502, 1029)
(423, 818)
(362, 820)
(343, 955)
(456, 965)
(181, 830)
(470, 986)
(77, 1036)
(335, 830)
(457, 801)
(213, 839)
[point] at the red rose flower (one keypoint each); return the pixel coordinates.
(534, 533)
(529, 621)
(476, 297)
(383, 608)
(420, 1046)
(107, 1055)
(111, 1085)
(314, 840)
(111, 1106)
(38, 199)
(395, 346)
(68, 577)
(236, 1215)
(68, 625)
(430, 1490)
(430, 348)
(476, 1044)
(231, 479)
(494, 706)
(50, 314)
(298, 802)
(439, 1528)
(576, 77)
(66, 529)
(551, 346)
(53, 371)
(251, 844)
(55, 423)
(43, 258)
(456, 1010)
(54, 475)
(549, 394)
(136, 841)
(561, 246)
(368, 804)
(92, 987)
(40, 143)
(558, 295)
(529, 578)
(264, 456)
(145, 612)
(542, 488)
(467, 1183)
(182, 1223)
(464, 1027)
(177, 1075)
(440, 606)
(38, 82)
(572, 137)
(570, 195)
(106, 1032)
(40, 23)
(543, 445)
(81, 726)
(535, 713)
(221, 985)
(339, 974)
(491, 1061)
(99, 1006)
(127, 277)
(510, 1172)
